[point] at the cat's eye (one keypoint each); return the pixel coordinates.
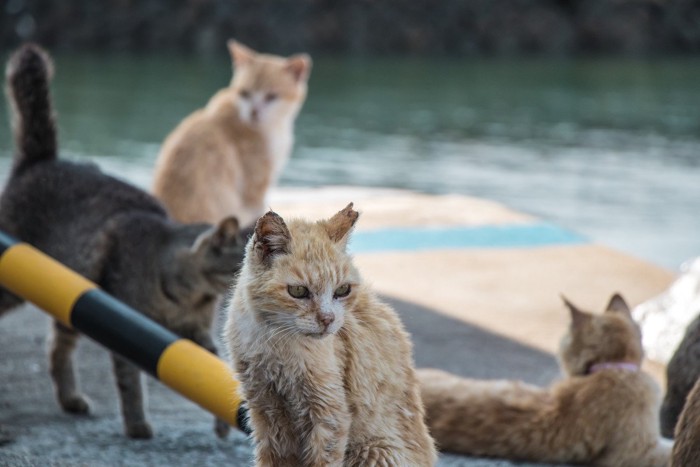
(271, 96)
(342, 291)
(298, 291)
(244, 93)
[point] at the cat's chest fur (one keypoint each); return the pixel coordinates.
(279, 143)
(295, 371)
(255, 164)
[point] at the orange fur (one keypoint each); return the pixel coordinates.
(329, 377)
(222, 159)
(607, 418)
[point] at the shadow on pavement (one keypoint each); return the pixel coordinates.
(465, 349)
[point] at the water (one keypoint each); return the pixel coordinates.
(609, 148)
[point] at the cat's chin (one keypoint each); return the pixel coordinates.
(254, 124)
(319, 335)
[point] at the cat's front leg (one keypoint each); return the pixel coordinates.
(131, 397)
(276, 442)
(372, 454)
(327, 441)
(329, 426)
(63, 344)
(265, 457)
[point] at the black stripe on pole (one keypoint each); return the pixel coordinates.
(121, 329)
(6, 242)
(242, 419)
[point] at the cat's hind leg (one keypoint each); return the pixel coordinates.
(131, 397)
(63, 342)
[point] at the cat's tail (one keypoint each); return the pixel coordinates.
(28, 75)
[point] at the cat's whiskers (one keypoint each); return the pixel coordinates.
(283, 331)
(278, 332)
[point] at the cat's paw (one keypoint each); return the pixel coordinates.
(76, 404)
(371, 456)
(221, 428)
(139, 430)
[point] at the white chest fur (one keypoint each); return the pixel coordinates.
(280, 140)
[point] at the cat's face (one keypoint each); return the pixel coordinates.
(218, 253)
(612, 336)
(204, 263)
(301, 279)
(268, 89)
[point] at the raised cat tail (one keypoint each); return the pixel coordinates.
(28, 74)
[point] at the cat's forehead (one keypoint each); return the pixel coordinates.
(313, 259)
(264, 72)
(608, 323)
(311, 240)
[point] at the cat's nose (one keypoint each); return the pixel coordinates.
(326, 319)
(254, 114)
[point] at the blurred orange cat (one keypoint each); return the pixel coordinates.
(221, 160)
(603, 413)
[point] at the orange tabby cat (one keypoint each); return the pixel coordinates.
(603, 413)
(222, 159)
(326, 367)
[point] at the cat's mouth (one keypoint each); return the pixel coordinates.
(318, 330)
(320, 335)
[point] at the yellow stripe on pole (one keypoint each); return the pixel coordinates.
(30, 274)
(201, 377)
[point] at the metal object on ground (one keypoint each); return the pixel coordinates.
(79, 303)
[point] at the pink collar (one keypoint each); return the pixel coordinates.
(626, 366)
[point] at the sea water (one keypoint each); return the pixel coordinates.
(609, 148)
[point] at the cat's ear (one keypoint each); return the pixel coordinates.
(240, 54)
(299, 66)
(271, 237)
(340, 225)
(578, 317)
(618, 304)
(226, 233)
(222, 235)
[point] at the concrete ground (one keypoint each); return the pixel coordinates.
(479, 312)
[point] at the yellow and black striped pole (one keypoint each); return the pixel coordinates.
(79, 303)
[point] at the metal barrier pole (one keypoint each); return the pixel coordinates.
(79, 303)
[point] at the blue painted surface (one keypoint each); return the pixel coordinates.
(444, 238)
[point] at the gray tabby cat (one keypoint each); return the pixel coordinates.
(112, 233)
